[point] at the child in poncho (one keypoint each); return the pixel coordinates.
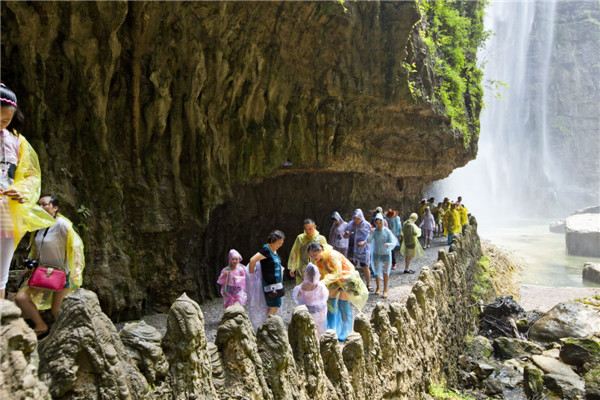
(233, 281)
(313, 294)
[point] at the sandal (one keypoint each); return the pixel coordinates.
(384, 294)
(377, 292)
(41, 334)
(410, 271)
(370, 289)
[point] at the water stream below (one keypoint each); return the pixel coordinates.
(544, 253)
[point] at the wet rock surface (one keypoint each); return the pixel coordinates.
(566, 320)
(582, 234)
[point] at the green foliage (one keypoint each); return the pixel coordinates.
(453, 32)
(439, 391)
(482, 284)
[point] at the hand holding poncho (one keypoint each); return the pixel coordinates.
(339, 274)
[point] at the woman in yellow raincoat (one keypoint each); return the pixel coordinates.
(58, 246)
(20, 181)
(345, 285)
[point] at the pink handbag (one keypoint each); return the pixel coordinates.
(47, 277)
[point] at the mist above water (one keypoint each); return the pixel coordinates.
(516, 175)
(519, 183)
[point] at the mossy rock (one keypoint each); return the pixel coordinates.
(578, 351)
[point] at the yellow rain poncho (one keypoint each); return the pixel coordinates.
(464, 216)
(75, 263)
(457, 224)
(28, 216)
(299, 257)
(339, 273)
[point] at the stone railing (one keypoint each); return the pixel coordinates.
(394, 354)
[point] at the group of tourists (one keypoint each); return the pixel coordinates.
(327, 269)
(56, 259)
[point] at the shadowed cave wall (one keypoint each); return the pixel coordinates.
(164, 127)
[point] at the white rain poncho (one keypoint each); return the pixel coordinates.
(360, 233)
(256, 304)
(381, 255)
(313, 294)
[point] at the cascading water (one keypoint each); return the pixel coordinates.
(521, 177)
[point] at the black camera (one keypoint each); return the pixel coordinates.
(30, 263)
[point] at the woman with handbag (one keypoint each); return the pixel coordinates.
(20, 181)
(58, 250)
(272, 271)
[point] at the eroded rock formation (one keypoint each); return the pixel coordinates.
(184, 344)
(18, 357)
(164, 127)
(83, 357)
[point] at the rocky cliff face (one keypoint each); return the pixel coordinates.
(164, 128)
(573, 121)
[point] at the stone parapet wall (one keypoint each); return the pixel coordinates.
(394, 353)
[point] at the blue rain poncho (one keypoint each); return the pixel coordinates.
(361, 233)
(381, 255)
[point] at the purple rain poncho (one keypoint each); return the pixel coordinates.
(361, 233)
(381, 255)
(336, 234)
(313, 294)
(233, 284)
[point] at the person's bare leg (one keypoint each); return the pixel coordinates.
(30, 311)
(272, 310)
(57, 299)
(2, 294)
(367, 273)
(407, 263)
(377, 281)
(385, 285)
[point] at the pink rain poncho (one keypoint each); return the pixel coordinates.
(313, 294)
(233, 282)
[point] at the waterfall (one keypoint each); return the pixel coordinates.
(515, 173)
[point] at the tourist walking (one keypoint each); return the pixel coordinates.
(428, 225)
(20, 182)
(411, 248)
(58, 247)
(299, 255)
(336, 234)
(394, 224)
(382, 241)
(233, 280)
(360, 229)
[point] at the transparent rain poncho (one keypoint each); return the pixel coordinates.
(233, 282)
(411, 234)
(27, 216)
(299, 257)
(75, 262)
(313, 294)
(336, 233)
(361, 232)
(256, 304)
(339, 274)
(381, 255)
